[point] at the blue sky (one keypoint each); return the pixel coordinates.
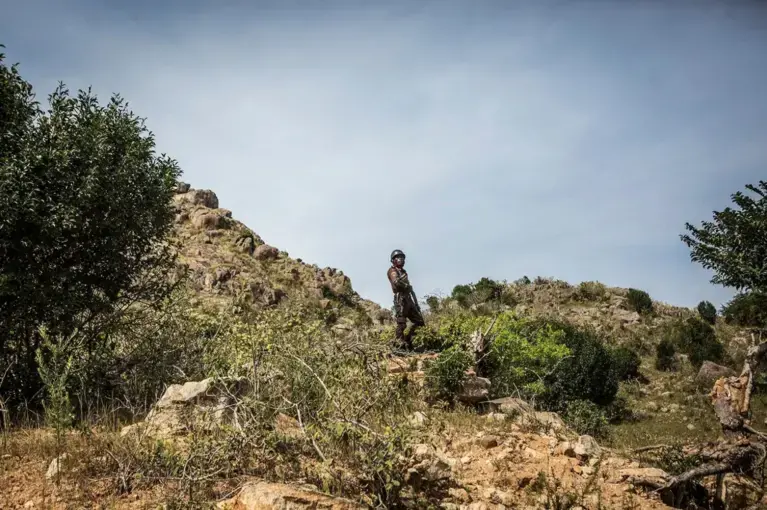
(570, 139)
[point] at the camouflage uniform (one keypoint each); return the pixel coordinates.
(405, 306)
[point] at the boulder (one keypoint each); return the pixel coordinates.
(202, 404)
(208, 220)
(266, 252)
(203, 197)
(473, 390)
(277, 496)
(587, 447)
(709, 372)
(182, 187)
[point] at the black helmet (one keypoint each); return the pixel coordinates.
(397, 253)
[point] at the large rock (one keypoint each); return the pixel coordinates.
(709, 372)
(266, 252)
(473, 390)
(276, 496)
(204, 197)
(204, 404)
(205, 219)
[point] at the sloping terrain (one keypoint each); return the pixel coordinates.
(327, 412)
(226, 260)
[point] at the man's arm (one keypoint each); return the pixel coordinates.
(399, 281)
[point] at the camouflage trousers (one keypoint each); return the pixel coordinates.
(404, 309)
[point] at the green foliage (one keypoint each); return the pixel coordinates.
(640, 301)
(734, 244)
(697, 339)
(627, 363)
(485, 290)
(589, 374)
(519, 359)
(85, 205)
(707, 311)
(433, 303)
(591, 291)
(664, 357)
(586, 417)
(446, 374)
(747, 309)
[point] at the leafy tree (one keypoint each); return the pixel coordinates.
(734, 244)
(707, 311)
(747, 309)
(85, 207)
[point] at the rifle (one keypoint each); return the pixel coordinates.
(415, 301)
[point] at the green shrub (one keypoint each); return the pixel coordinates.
(518, 359)
(664, 358)
(433, 303)
(461, 294)
(640, 301)
(697, 339)
(747, 309)
(445, 375)
(591, 291)
(707, 312)
(485, 290)
(586, 418)
(587, 372)
(627, 363)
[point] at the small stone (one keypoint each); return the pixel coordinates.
(564, 448)
(690, 426)
(652, 406)
(489, 441)
(466, 460)
(460, 495)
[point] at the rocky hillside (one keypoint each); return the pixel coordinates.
(226, 260)
(319, 419)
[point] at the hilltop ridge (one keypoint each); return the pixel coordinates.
(226, 260)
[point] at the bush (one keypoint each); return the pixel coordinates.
(698, 340)
(485, 290)
(591, 291)
(707, 312)
(433, 303)
(446, 374)
(747, 309)
(584, 371)
(586, 418)
(627, 363)
(640, 301)
(518, 359)
(665, 353)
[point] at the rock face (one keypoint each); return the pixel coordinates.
(709, 372)
(196, 404)
(263, 496)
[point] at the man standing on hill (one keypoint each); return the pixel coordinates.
(405, 302)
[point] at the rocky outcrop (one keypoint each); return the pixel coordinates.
(276, 496)
(194, 405)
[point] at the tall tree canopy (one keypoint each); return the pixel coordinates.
(85, 207)
(734, 244)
